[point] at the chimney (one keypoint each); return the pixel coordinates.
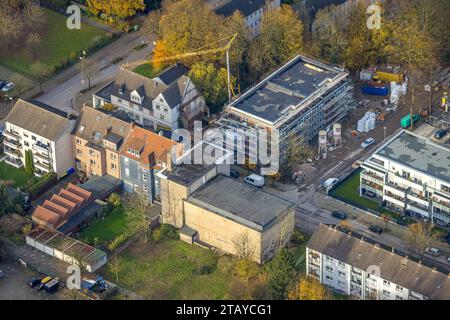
(169, 164)
(132, 124)
(161, 133)
(151, 160)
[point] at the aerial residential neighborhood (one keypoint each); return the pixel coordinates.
(283, 150)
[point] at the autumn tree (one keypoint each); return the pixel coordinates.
(136, 208)
(41, 72)
(282, 272)
(115, 267)
(420, 236)
(116, 8)
(308, 288)
(280, 39)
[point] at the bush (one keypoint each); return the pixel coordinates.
(203, 270)
(26, 229)
(297, 237)
(43, 184)
(169, 231)
(245, 268)
(117, 242)
(114, 200)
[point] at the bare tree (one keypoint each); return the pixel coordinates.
(420, 236)
(115, 267)
(90, 70)
(243, 246)
(137, 208)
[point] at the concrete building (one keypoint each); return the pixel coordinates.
(143, 155)
(252, 10)
(302, 97)
(162, 102)
(43, 131)
(213, 209)
(97, 140)
(411, 174)
(360, 267)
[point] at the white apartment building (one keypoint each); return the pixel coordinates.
(162, 102)
(252, 10)
(411, 174)
(355, 266)
(42, 130)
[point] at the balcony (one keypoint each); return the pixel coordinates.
(41, 157)
(11, 135)
(415, 207)
(396, 186)
(12, 144)
(419, 199)
(372, 184)
(409, 182)
(44, 167)
(13, 162)
(441, 205)
(16, 154)
(39, 146)
(372, 177)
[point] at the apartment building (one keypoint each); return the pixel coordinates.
(164, 102)
(44, 132)
(213, 209)
(143, 155)
(411, 175)
(97, 140)
(356, 266)
(302, 97)
(252, 10)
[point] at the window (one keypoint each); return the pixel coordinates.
(166, 110)
(341, 274)
(126, 160)
(329, 278)
(398, 288)
(386, 283)
(79, 152)
(91, 152)
(34, 138)
(329, 259)
(92, 162)
(113, 167)
(127, 172)
(145, 188)
(78, 141)
(329, 269)
(161, 116)
(398, 297)
(26, 144)
(341, 264)
(113, 156)
(144, 177)
(386, 293)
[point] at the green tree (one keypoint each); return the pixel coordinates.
(282, 272)
(4, 198)
(28, 162)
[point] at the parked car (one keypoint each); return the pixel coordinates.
(433, 251)
(234, 174)
(367, 143)
(33, 282)
(330, 183)
(43, 282)
(375, 229)
(440, 134)
(2, 274)
(255, 180)
(8, 86)
(3, 83)
(339, 215)
(52, 286)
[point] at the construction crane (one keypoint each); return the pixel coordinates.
(204, 50)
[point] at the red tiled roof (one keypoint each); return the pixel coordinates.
(63, 202)
(46, 217)
(147, 142)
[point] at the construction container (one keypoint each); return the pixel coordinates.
(389, 77)
(405, 122)
(375, 91)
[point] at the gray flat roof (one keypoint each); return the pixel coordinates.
(240, 202)
(287, 87)
(418, 153)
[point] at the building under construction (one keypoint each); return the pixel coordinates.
(303, 97)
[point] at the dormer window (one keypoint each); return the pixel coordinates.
(136, 98)
(134, 152)
(122, 89)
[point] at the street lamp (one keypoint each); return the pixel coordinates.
(384, 133)
(82, 57)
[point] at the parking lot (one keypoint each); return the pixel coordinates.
(14, 285)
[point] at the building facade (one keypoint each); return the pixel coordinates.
(352, 265)
(42, 131)
(164, 102)
(144, 154)
(97, 140)
(199, 198)
(411, 175)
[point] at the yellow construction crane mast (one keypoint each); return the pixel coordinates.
(207, 49)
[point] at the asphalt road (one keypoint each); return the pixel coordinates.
(62, 95)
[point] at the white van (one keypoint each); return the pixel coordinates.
(329, 183)
(255, 180)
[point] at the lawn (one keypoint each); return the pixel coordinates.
(57, 44)
(146, 70)
(17, 177)
(107, 228)
(348, 192)
(167, 270)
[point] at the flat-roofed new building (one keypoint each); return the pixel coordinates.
(360, 267)
(43, 131)
(302, 97)
(412, 175)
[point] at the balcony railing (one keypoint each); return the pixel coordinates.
(372, 184)
(11, 135)
(41, 147)
(41, 156)
(369, 174)
(16, 154)
(13, 162)
(396, 186)
(12, 144)
(42, 166)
